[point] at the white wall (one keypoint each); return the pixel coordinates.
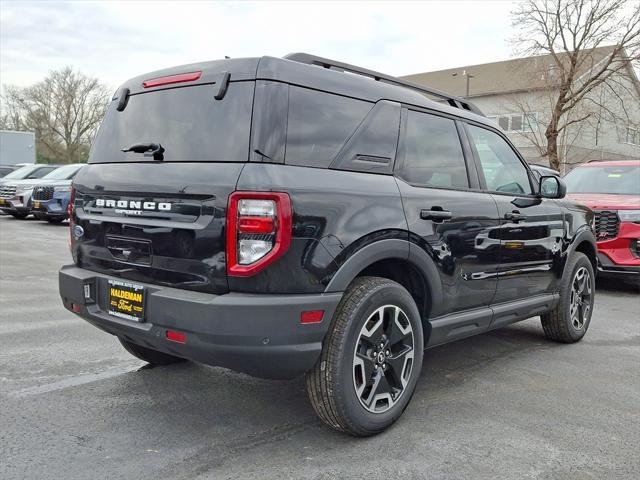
(17, 147)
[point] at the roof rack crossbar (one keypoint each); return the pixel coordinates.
(381, 77)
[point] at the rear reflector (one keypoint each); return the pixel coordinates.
(75, 308)
(314, 316)
(174, 336)
(179, 78)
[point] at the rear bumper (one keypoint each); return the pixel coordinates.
(256, 334)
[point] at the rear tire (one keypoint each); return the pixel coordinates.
(371, 358)
(148, 355)
(569, 320)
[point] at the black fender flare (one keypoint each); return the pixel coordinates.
(389, 249)
(584, 234)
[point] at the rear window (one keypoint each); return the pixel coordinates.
(187, 121)
(319, 124)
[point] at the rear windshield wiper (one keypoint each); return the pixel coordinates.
(154, 150)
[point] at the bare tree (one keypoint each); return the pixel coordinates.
(571, 32)
(64, 110)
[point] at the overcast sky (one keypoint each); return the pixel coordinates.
(115, 40)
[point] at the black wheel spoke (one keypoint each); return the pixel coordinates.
(396, 367)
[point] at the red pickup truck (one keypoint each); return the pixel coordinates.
(612, 190)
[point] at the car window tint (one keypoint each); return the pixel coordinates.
(503, 170)
(187, 121)
(41, 172)
(432, 152)
(319, 124)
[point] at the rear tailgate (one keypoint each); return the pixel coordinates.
(160, 218)
(160, 223)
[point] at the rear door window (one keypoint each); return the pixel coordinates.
(431, 152)
(319, 124)
(187, 121)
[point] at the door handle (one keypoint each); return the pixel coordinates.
(435, 214)
(515, 216)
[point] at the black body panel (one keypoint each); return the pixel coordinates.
(187, 245)
(335, 213)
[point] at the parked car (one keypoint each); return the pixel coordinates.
(28, 172)
(15, 194)
(50, 200)
(541, 170)
(301, 216)
(6, 169)
(612, 190)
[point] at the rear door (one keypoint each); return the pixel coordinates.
(525, 233)
(445, 211)
(162, 221)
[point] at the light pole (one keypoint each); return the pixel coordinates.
(468, 77)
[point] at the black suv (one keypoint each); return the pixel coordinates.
(295, 216)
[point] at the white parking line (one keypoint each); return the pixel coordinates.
(28, 326)
(74, 381)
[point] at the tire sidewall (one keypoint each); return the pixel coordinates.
(387, 294)
(581, 261)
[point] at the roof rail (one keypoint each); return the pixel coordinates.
(381, 77)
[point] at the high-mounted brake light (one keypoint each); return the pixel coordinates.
(258, 231)
(170, 79)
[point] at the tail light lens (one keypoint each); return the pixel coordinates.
(72, 196)
(258, 231)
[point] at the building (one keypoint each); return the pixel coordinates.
(17, 147)
(518, 94)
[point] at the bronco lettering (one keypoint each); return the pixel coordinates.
(129, 205)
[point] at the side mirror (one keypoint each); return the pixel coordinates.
(551, 186)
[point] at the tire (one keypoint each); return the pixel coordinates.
(55, 220)
(19, 216)
(341, 384)
(569, 320)
(40, 216)
(148, 355)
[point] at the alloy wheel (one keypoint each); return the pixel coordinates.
(581, 298)
(383, 358)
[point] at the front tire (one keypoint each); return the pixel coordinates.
(371, 358)
(569, 320)
(19, 216)
(148, 355)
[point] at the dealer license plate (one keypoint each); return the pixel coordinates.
(126, 300)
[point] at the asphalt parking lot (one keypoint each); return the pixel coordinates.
(507, 404)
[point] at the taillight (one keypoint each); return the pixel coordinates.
(72, 196)
(258, 230)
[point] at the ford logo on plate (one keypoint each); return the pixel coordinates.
(78, 232)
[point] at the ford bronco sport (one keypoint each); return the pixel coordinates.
(301, 216)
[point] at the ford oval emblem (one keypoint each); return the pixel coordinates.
(78, 232)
